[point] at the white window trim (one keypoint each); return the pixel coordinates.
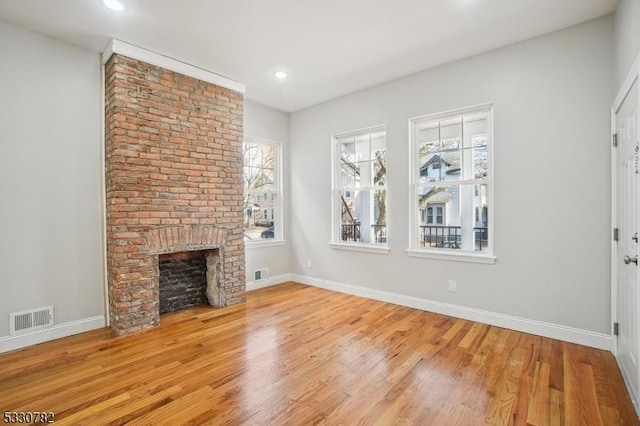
(361, 247)
(448, 254)
(264, 243)
(336, 221)
(414, 249)
(278, 237)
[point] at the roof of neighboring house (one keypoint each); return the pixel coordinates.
(439, 197)
(434, 159)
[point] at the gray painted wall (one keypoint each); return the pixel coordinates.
(50, 178)
(627, 37)
(551, 96)
(264, 122)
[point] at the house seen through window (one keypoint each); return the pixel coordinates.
(452, 181)
(262, 190)
(360, 187)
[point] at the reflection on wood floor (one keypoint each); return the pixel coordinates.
(296, 355)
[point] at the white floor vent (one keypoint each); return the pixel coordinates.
(260, 274)
(32, 319)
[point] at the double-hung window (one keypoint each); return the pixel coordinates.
(359, 201)
(452, 185)
(262, 190)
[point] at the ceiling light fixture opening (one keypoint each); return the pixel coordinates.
(280, 75)
(115, 5)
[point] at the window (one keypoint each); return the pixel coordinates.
(360, 189)
(435, 214)
(262, 190)
(452, 185)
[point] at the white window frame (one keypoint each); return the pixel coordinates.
(278, 216)
(336, 220)
(415, 250)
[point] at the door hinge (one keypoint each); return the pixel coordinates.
(616, 328)
(615, 234)
(614, 139)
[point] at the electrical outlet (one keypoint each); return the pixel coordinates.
(453, 286)
(309, 265)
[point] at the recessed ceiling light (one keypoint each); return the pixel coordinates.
(114, 5)
(280, 74)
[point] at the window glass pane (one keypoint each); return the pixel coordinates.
(450, 161)
(347, 175)
(481, 225)
(453, 217)
(380, 168)
(264, 180)
(429, 134)
(451, 130)
(480, 157)
(347, 151)
(380, 207)
(447, 197)
(261, 187)
(259, 214)
(442, 164)
(430, 147)
(363, 216)
(259, 164)
(363, 149)
(360, 178)
(474, 124)
(268, 157)
(347, 206)
(349, 222)
(250, 175)
(252, 153)
(378, 143)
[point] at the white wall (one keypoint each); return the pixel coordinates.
(50, 178)
(264, 122)
(627, 37)
(551, 97)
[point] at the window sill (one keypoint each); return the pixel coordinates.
(364, 248)
(452, 256)
(264, 244)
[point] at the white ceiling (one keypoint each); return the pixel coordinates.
(328, 47)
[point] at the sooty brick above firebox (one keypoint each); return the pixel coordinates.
(183, 281)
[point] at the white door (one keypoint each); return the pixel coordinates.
(626, 251)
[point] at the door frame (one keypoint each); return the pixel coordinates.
(632, 77)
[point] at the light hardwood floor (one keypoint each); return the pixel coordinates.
(296, 355)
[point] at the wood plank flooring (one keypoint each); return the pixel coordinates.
(297, 355)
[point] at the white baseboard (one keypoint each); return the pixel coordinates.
(632, 396)
(539, 328)
(10, 343)
(267, 282)
(568, 334)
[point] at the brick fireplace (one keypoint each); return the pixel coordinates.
(173, 185)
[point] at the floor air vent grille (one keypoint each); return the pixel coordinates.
(260, 274)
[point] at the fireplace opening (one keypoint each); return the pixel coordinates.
(185, 277)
